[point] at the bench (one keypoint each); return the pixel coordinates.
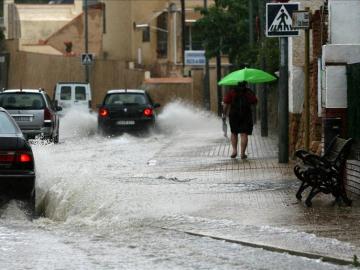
(323, 173)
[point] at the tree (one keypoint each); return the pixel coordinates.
(224, 28)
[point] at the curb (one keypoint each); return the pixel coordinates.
(328, 259)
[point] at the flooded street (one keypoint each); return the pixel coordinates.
(126, 203)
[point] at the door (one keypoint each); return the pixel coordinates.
(353, 87)
(81, 98)
(74, 96)
(66, 96)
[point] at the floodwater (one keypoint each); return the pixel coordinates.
(104, 205)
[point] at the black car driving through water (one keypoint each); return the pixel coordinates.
(126, 110)
(17, 170)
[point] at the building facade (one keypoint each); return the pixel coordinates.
(141, 32)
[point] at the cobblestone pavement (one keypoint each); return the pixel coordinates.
(257, 191)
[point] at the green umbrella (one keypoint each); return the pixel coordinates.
(250, 75)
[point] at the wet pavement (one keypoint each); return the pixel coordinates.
(171, 200)
(259, 192)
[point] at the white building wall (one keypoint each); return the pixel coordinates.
(336, 88)
(344, 48)
(344, 21)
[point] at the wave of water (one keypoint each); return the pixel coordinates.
(89, 178)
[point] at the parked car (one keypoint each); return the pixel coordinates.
(126, 111)
(73, 95)
(17, 170)
(33, 111)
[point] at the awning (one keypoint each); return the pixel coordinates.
(147, 20)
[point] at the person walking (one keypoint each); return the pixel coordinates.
(237, 106)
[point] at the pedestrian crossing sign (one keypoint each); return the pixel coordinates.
(87, 58)
(279, 19)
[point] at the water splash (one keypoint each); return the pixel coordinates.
(77, 123)
(179, 115)
(95, 178)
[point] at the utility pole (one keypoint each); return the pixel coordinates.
(206, 78)
(183, 33)
(263, 88)
(283, 109)
(86, 37)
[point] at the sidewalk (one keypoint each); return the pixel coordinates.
(260, 193)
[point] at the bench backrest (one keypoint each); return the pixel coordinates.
(338, 151)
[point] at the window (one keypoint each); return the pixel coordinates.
(6, 126)
(22, 101)
(80, 93)
(162, 35)
(146, 34)
(125, 99)
(192, 41)
(65, 93)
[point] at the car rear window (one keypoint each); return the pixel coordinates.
(6, 125)
(65, 93)
(125, 99)
(80, 93)
(22, 101)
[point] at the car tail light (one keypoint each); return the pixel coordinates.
(47, 114)
(18, 157)
(8, 157)
(148, 112)
(25, 158)
(103, 112)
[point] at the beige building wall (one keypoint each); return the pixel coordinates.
(145, 12)
(44, 71)
(74, 32)
(38, 22)
(118, 35)
(124, 41)
(297, 61)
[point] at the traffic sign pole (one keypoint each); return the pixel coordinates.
(279, 24)
(283, 106)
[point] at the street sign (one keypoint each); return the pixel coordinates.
(301, 19)
(195, 58)
(279, 19)
(87, 58)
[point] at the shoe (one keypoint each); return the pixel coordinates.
(233, 155)
(244, 156)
